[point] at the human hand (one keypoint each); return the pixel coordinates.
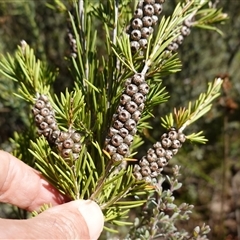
(25, 187)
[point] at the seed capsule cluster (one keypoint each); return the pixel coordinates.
(124, 125)
(68, 143)
(72, 43)
(141, 25)
(151, 165)
(184, 32)
(71, 40)
(44, 118)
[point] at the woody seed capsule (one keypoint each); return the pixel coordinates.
(55, 134)
(134, 46)
(185, 31)
(118, 124)
(110, 149)
(135, 35)
(63, 136)
(162, 162)
(188, 22)
(148, 10)
(151, 29)
(180, 39)
(131, 107)
(151, 151)
(66, 153)
(53, 126)
(131, 89)
(45, 112)
(136, 168)
(124, 99)
(141, 107)
(136, 116)
(49, 106)
(124, 115)
(157, 8)
(160, 152)
(43, 125)
(145, 171)
(168, 154)
(107, 140)
(137, 23)
(119, 109)
(138, 78)
(143, 162)
(153, 166)
(181, 137)
(76, 147)
(59, 146)
(123, 132)
(157, 145)
(165, 135)
(138, 98)
(68, 143)
(130, 124)
(154, 20)
(123, 149)
(40, 104)
(166, 142)
(145, 32)
(143, 88)
(75, 156)
(128, 140)
(116, 140)
(151, 157)
(112, 131)
(176, 144)
(117, 157)
(76, 137)
(147, 22)
(143, 42)
(46, 132)
(138, 13)
(35, 111)
(173, 135)
(39, 118)
(127, 82)
(148, 179)
(137, 175)
(49, 119)
(133, 132)
(44, 98)
(154, 174)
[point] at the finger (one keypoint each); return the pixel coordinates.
(23, 186)
(78, 219)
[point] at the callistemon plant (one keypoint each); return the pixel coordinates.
(85, 140)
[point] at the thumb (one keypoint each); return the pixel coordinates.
(80, 219)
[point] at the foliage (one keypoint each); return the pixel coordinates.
(92, 100)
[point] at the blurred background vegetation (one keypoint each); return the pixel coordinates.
(210, 172)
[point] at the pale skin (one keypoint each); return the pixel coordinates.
(26, 188)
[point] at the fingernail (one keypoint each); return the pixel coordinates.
(93, 217)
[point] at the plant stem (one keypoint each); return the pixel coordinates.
(116, 5)
(101, 181)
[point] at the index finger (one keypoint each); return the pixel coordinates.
(24, 186)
